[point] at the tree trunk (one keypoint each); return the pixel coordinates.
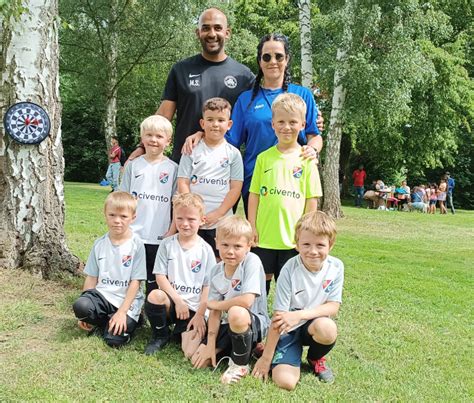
(332, 199)
(31, 176)
(306, 48)
(110, 118)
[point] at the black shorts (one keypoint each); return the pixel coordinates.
(274, 259)
(224, 342)
(209, 235)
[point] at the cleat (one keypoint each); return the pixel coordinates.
(321, 370)
(156, 344)
(234, 373)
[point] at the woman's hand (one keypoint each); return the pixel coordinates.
(309, 153)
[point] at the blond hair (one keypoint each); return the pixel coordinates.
(318, 223)
(290, 103)
(189, 200)
(234, 226)
(121, 201)
(156, 123)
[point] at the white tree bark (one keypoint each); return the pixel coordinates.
(110, 118)
(31, 176)
(332, 199)
(306, 48)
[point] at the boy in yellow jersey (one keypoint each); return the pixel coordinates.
(284, 187)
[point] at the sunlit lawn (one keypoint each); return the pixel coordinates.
(405, 326)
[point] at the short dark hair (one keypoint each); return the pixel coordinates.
(216, 104)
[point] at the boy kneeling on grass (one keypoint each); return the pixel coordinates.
(182, 268)
(308, 294)
(112, 298)
(238, 317)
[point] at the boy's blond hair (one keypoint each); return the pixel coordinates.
(121, 201)
(318, 223)
(217, 104)
(156, 123)
(290, 103)
(234, 226)
(189, 200)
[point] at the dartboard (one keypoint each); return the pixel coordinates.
(27, 123)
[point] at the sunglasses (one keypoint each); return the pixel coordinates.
(279, 57)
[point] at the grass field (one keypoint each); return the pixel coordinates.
(405, 326)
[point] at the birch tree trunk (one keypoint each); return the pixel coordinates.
(306, 48)
(31, 176)
(332, 199)
(110, 118)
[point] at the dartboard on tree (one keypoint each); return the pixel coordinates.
(27, 123)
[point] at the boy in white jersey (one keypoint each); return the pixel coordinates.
(284, 186)
(308, 294)
(151, 179)
(182, 268)
(112, 298)
(238, 317)
(214, 170)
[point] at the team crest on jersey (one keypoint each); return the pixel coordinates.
(236, 285)
(196, 266)
(263, 191)
(126, 260)
(328, 285)
(297, 172)
(164, 176)
(224, 162)
(230, 82)
(194, 179)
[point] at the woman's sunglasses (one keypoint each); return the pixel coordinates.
(279, 57)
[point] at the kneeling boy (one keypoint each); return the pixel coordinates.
(308, 294)
(182, 268)
(112, 298)
(238, 317)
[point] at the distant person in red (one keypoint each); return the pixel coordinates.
(113, 171)
(358, 176)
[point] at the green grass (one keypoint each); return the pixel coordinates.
(405, 326)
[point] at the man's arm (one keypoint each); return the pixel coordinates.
(167, 109)
(315, 141)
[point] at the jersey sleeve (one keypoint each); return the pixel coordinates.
(236, 135)
(210, 263)
(170, 93)
(92, 268)
(313, 181)
(161, 260)
(185, 167)
(252, 267)
(139, 263)
(126, 183)
(214, 294)
(283, 290)
(236, 166)
(335, 295)
(256, 177)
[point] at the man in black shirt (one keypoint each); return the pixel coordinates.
(209, 74)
